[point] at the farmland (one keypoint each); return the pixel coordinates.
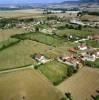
(43, 38)
(14, 86)
(54, 71)
(20, 54)
(80, 33)
(64, 56)
(21, 13)
(6, 33)
(77, 85)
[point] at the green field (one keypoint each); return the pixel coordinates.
(80, 33)
(54, 71)
(6, 33)
(42, 38)
(93, 43)
(8, 43)
(20, 54)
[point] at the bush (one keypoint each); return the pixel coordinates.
(92, 64)
(70, 71)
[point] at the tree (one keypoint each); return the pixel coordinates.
(79, 27)
(36, 29)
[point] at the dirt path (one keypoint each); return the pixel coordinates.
(16, 69)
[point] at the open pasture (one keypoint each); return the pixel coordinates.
(20, 54)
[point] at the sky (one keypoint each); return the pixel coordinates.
(30, 1)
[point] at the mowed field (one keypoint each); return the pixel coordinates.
(82, 85)
(6, 33)
(21, 13)
(27, 84)
(54, 71)
(20, 54)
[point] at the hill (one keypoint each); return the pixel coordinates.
(70, 2)
(26, 84)
(89, 1)
(80, 1)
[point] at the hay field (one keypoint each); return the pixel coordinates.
(26, 84)
(90, 17)
(21, 13)
(82, 85)
(20, 54)
(6, 33)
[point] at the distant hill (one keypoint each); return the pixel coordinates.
(89, 1)
(70, 2)
(80, 1)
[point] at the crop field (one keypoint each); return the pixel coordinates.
(81, 33)
(61, 50)
(20, 13)
(20, 54)
(54, 71)
(6, 33)
(42, 38)
(82, 85)
(90, 17)
(27, 84)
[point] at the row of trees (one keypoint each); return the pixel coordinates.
(11, 22)
(70, 26)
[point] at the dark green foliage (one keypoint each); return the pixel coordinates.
(11, 22)
(93, 64)
(93, 43)
(8, 43)
(63, 98)
(70, 71)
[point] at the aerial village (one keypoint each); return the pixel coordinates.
(60, 47)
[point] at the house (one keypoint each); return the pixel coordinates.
(77, 22)
(72, 50)
(70, 60)
(40, 58)
(82, 47)
(93, 37)
(89, 55)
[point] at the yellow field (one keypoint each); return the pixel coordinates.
(82, 85)
(21, 13)
(26, 84)
(90, 17)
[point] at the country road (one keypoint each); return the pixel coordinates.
(15, 69)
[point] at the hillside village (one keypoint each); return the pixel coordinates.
(49, 54)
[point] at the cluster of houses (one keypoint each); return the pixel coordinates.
(78, 54)
(81, 53)
(70, 60)
(77, 21)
